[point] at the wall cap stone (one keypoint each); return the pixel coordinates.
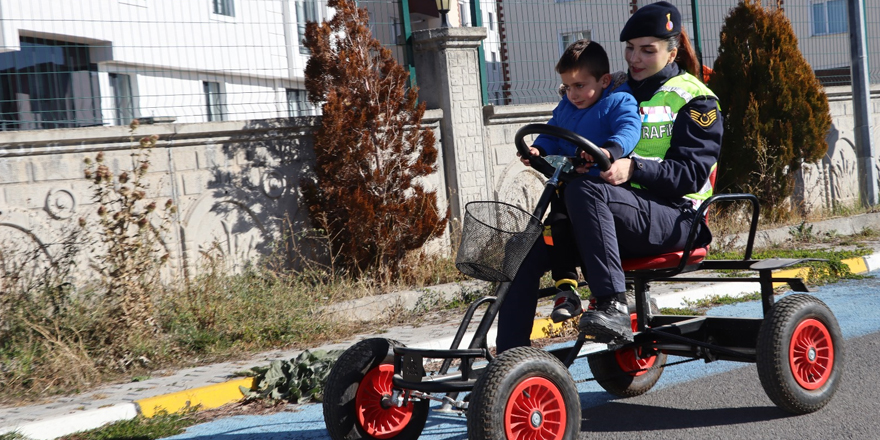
(445, 38)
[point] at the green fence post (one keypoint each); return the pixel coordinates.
(407, 35)
(698, 43)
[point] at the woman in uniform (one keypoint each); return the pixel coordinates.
(644, 204)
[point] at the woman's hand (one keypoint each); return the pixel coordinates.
(620, 172)
(525, 160)
(590, 162)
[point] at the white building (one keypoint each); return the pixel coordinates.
(103, 62)
(534, 35)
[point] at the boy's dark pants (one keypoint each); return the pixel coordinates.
(563, 252)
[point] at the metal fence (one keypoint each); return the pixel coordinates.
(532, 35)
(104, 62)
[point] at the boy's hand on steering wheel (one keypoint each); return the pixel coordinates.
(525, 160)
(620, 172)
(582, 168)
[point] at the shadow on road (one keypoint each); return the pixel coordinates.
(607, 418)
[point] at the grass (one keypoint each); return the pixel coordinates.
(216, 317)
(138, 428)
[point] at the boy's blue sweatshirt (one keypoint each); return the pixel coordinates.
(612, 123)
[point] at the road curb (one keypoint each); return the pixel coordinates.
(206, 397)
(59, 426)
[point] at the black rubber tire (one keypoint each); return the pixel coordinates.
(502, 392)
(613, 369)
(340, 395)
(800, 354)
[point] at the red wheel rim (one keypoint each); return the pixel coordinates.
(629, 359)
(377, 420)
(811, 354)
(535, 411)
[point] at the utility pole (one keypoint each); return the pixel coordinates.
(861, 90)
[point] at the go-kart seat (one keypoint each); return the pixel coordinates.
(664, 261)
(672, 260)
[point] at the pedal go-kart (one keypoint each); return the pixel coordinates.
(379, 389)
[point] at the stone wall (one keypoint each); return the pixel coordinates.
(833, 183)
(236, 185)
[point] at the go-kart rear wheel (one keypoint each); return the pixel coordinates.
(800, 354)
(629, 371)
(353, 398)
(524, 393)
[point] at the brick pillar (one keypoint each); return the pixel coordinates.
(448, 77)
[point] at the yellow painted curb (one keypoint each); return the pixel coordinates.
(800, 272)
(539, 326)
(211, 396)
(856, 265)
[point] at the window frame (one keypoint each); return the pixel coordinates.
(225, 8)
(585, 33)
(122, 82)
(298, 103)
(302, 20)
(214, 100)
(826, 22)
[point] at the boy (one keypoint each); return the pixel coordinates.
(611, 121)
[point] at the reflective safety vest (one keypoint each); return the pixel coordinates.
(658, 115)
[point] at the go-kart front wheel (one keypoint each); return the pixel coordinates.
(800, 354)
(353, 399)
(628, 371)
(525, 393)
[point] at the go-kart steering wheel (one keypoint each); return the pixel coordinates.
(541, 164)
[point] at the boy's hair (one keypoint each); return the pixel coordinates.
(584, 54)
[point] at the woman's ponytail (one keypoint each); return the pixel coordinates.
(687, 57)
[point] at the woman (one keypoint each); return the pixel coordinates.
(645, 204)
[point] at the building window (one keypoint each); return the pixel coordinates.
(566, 38)
(213, 101)
(123, 102)
(396, 31)
(491, 21)
(298, 103)
(464, 11)
(306, 11)
(224, 7)
(48, 84)
(829, 17)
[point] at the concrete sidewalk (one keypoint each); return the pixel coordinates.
(218, 384)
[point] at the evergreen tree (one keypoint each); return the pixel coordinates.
(372, 153)
(776, 113)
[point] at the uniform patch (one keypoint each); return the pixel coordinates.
(704, 120)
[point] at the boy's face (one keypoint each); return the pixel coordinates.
(582, 88)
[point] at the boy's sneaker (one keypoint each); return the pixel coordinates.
(566, 305)
(608, 323)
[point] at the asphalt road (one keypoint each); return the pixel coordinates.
(691, 401)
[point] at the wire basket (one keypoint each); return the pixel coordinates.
(495, 239)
